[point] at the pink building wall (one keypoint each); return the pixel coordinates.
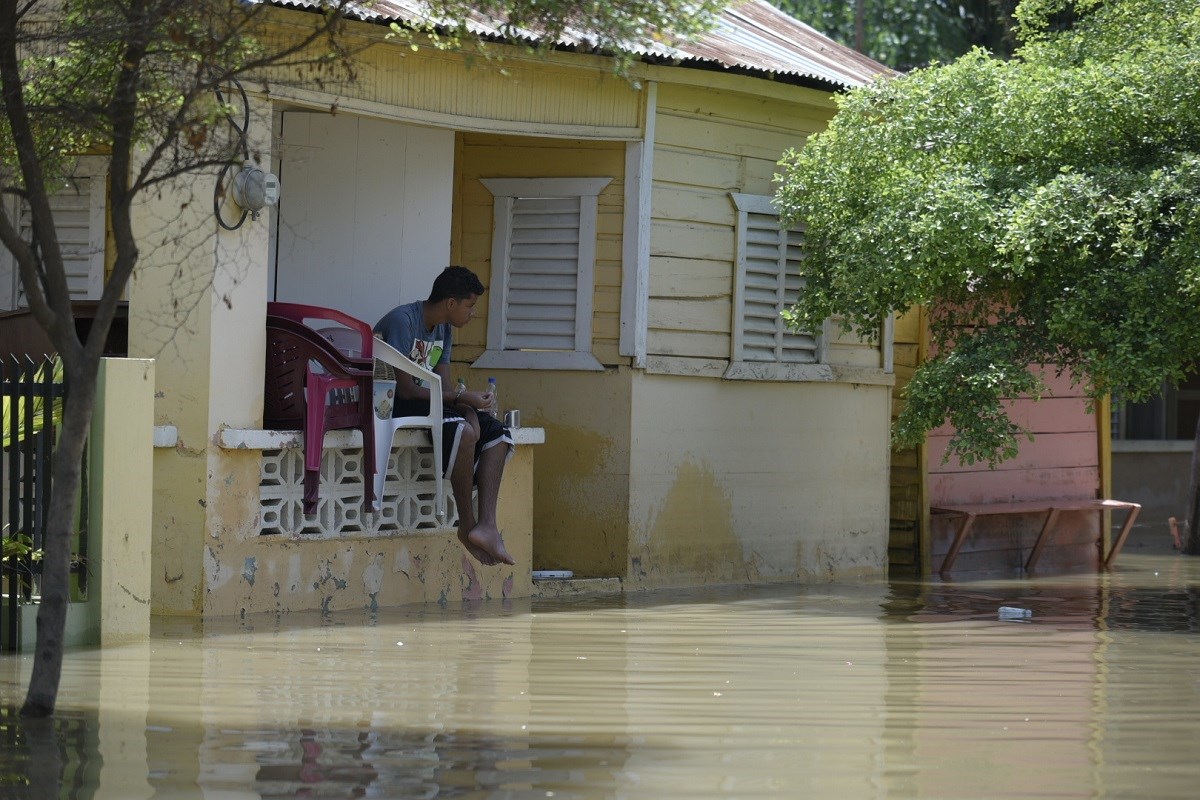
(1062, 461)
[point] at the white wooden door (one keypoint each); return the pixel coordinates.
(363, 222)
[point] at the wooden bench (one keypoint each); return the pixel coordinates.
(1051, 508)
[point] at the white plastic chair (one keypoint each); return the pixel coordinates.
(385, 429)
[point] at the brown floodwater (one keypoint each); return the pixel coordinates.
(831, 691)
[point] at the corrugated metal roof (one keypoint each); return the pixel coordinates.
(750, 35)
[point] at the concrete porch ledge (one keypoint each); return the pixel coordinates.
(349, 565)
(548, 588)
(257, 439)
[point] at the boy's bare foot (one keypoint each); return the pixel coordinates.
(488, 539)
(478, 553)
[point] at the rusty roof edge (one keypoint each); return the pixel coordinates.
(749, 37)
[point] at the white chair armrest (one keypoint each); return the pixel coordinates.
(393, 357)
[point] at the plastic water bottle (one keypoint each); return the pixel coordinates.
(1011, 612)
(459, 388)
(494, 408)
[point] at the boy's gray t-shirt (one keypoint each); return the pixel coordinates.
(404, 329)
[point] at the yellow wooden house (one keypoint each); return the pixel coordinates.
(674, 432)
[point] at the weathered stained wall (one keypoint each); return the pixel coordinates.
(248, 573)
(735, 482)
(1155, 474)
(581, 493)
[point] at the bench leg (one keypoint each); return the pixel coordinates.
(1042, 539)
(959, 538)
(1124, 534)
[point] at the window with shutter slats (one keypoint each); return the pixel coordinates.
(543, 274)
(543, 260)
(769, 279)
(78, 209)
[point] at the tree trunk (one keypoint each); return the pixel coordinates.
(860, 26)
(1192, 546)
(60, 529)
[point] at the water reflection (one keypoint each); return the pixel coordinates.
(900, 690)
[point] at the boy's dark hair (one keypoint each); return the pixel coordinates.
(456, 282)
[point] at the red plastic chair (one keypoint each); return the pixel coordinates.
(355, 342)
(310, 382)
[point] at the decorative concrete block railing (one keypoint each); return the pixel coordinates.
(408, 494)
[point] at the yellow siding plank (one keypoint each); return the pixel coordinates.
(711, 316)
(905, 354)
(908, 328)
(732, 106)
(692, 168)
(689, 344)
(724, 137)
(695, 278)
(691, 240)
(693, 205)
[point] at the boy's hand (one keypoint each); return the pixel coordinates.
(476, 400)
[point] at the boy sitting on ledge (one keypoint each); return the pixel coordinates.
(475, 445)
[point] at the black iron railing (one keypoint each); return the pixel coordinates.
(32, 393)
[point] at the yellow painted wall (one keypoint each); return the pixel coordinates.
(198, 306)
(551, 95)
(488, 156)
(740, 482)
(170, 310)
(581, 491)
(581, 495)
(121, 483)
(708, 144)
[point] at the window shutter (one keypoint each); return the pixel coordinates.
(78, 210)
(543, 268)
(772, 279)
(543, 274)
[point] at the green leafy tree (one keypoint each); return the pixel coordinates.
(147, 83)
(1046, 209)
(905, 34)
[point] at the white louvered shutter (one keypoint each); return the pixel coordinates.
(771, 280)
(543, 268)
(78, 209)
(543, 274)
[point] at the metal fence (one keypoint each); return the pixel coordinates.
(31, 393)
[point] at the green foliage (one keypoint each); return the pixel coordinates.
(610, 28)
(18, 545)
(1047, 208)
(905, 34)
(34, 409)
